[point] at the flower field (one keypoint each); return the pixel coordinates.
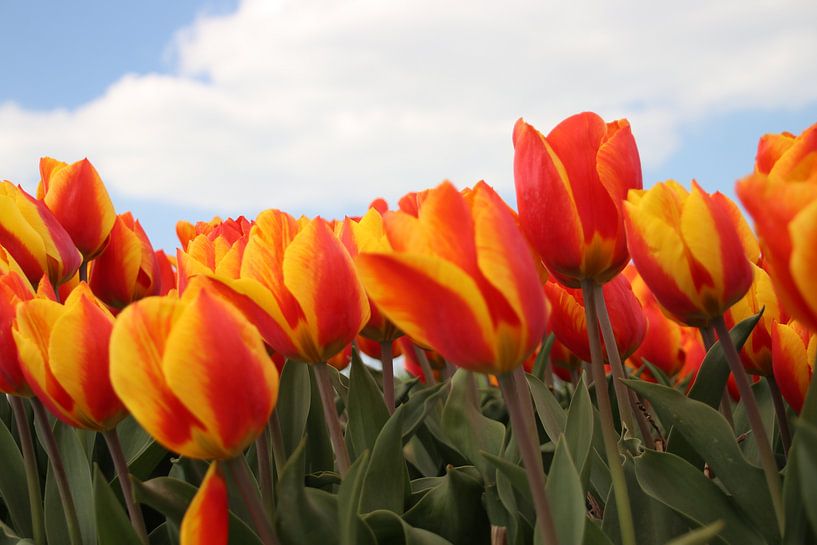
(598, 363)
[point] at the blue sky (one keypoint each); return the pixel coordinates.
(192, 108)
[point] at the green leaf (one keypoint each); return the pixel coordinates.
(114, 527)
(797, 529)
(303, 515)
(671, 480)
(78, 471)
(366, 409)
(705, 429)
(171, 497)
(13, 486)
(161, 535)
(579, 430)
(353, 531)
(390, 529)
(550, 412)
(294, 403)
(564, 490)
(419, 406)
(701, 536)
(540, 365)
(467, 428)
(453, 509)
(319, 453)
(386, 482)
(765, 405)
(594, 535)
(141, 451)
(807, 447)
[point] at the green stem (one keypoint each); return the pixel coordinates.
(264, 471)
(608, 431)
(627, 403)
(331, 416)
(756, 422)
(277, 439)
(388, 375)
(780, 410)
(425, 365)
(115, 448)
(240, 474)
(71, 521)
(521, 413)
(35, 499)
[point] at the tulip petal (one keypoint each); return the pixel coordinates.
(233, 407)
(20, 239)
(137, 347)
(114, 273)
(435, 303)
(790, 343)
(321, 276)
(803, 232)
(206, 521)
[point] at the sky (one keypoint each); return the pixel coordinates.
(195, 108)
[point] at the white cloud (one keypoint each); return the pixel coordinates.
(323, 105)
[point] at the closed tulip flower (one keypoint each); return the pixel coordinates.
(781, 197)
(794, 349)
(194, 373)
(30, 232)
(690, 250)
(127, 269)
(63, 352)
(14, 289)
(206, 521)
(570, 186)
(466, 260)
(218, 251)
(567, 317)
(78, 198)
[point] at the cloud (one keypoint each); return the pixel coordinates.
(319, 106)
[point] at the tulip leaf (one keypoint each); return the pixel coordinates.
(564, 490)
(353, 531)
(550, 412)
(170, 497)
(701, 536)
(319, 453)
(593, 534)
(807, 447)
(294, 402)
(671, 480)
(366, 409)
(386, 482)
(13, 486)
(418, 407)
(113, 525)
(390, 529)
(141, 451)
(797, 529)
(303, 515)
(540, 365)
(579, 430)
(453, 509)
(705, 429)
(163, 535)
(744, 429)
(467, 428)
(78, 471)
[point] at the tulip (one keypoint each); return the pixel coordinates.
(206, 521)
(570, 185)
(127, 269)
(568, 323)
(781, 197)
(78, 198)
(167, 272)
(565, 364)
(218, 252)
(33, 236)
(14, 289)
(187, 231)
(342, 359)
(794, 349)
(688, 248)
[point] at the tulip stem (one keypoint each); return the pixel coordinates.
(277, 437)
(780, 410)
(264, 471)
(35, 499)
(627, 403)
(240, 474)
(756, 422)
(608, 431)
(71, 521)
(428, 373)
(387, 363)
(121, 465)
(520, 410)
(330, 414)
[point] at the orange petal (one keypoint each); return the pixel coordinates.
(206, 521)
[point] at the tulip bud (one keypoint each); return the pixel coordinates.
(14, 289)
(794, 349)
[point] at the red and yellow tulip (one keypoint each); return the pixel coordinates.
(206, 521)
(63, 352)
(78, 198)
(692, 249)
(30, 232)
(217, 251)
(127, 269)
(14, 289)
(794, 349)
(570, 186)
(781, 196)
(567, 316)
(179, 365)
(460, 279)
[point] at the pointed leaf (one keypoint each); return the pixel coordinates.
(386, 482)
(13, 486)
(390, 529)
(114, 527)
(366, 409)
(564, 490)
(294, 403)
(353, 531)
